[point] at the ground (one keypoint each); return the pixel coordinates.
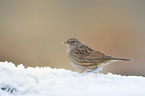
(45, 81)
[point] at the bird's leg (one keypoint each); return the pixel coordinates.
(96, 72)
(82, 71)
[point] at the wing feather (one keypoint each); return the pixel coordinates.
(87, 57)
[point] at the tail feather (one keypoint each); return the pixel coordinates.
(121, 59)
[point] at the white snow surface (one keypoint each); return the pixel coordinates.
(45, 81)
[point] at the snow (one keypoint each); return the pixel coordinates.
(45, 81)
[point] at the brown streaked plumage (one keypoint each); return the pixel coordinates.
(86, 59)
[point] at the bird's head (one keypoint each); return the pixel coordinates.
(72, 43)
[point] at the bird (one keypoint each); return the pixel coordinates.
(86, 59)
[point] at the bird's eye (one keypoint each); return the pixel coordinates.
(72, 41)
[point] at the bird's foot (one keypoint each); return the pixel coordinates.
(82, 71)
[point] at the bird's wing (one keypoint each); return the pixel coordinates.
(82, 51)
(84, 54)
(96, 54)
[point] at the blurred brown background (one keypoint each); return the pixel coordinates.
(31, 31)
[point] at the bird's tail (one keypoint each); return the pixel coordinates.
(121, 59)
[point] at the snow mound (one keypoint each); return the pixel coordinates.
(45, 81)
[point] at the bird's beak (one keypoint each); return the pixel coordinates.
(64, 42)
